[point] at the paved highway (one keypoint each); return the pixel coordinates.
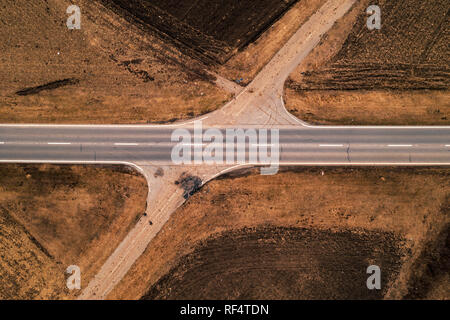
(153, 145)
(261, 104)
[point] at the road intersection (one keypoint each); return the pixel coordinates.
(259, 106)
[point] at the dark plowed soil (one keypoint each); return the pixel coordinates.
(283, 263)
(410, 51)
(208, 29)
(433, 265)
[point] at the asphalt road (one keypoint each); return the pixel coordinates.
(153, 145)
(259, 103)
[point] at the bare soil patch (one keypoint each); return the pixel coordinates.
(281, 263)
(401, 210)
(56, 216)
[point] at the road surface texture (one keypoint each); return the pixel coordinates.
(260, 105)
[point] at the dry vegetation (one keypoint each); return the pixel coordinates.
(119, 72)
(370, 107)
(337, 219)
(396, 75)
(55, 216)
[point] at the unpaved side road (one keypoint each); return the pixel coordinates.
(260, 102)
(267, 84)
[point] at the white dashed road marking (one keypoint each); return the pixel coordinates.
(331, 145)
(400, 145)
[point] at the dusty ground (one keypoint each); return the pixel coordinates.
(110, 71)
(388, 73)
(56, 216)
(395, 214)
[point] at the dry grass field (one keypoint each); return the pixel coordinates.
(55, 216)
(301, 229)
(110, 71)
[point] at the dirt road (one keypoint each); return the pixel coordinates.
(259, 103)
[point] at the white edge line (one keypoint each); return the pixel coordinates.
(136, 126)
(305, 124)
(345, 164)
(142, 171)
(297, 120)
(59, 143)
(126, 144)
(243, 164)
(131, 164)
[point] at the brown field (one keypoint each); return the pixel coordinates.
(408, 52)
(298, 229)
(310, 232)
(56, 216)
(396, 75)
(209, 30)
(110, 71)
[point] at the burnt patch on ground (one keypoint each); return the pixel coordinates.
(159, 173)
(130, 67)
(409, 52)
(190, 184)
(211, 30)
(283, 263)
(49, 86)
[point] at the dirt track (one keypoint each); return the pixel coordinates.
(265, 87)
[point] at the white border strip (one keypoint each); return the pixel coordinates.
(130, 164)
(305, 124)
(135, 126)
